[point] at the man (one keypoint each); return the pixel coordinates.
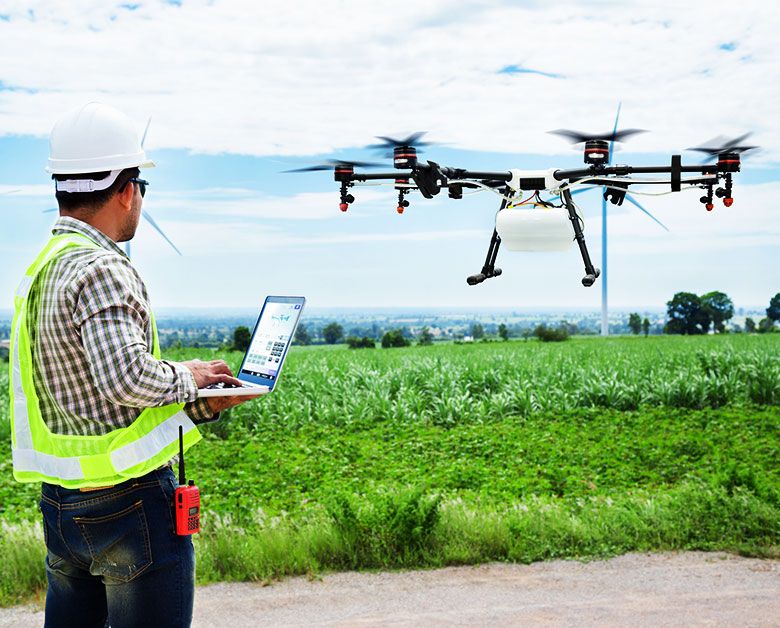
(95, 412)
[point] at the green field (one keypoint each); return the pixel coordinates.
(465, 453)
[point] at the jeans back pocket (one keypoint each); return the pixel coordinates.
(118, 543)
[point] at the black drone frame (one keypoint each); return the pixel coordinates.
(430, 178)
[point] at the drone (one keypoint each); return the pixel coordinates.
(545, 225)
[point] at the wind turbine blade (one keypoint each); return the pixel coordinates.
(160, 231)
(614, 130)
(51, 209)
(634, 202)
(127, 248)
(146, 130)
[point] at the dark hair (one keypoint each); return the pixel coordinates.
(87, 203)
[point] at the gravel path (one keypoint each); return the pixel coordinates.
(672, 589)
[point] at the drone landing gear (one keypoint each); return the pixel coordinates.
(489, 269)
(591, 272)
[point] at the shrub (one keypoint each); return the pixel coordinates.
(551, 334)
(353, 342)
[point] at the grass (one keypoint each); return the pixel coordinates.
(457, 454)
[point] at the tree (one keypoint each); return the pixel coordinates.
(773, 311)
(719, 308)
(425, 338)
(766, 325)
(646, 326)
(477, 331)
(503, 332)
(394, 338)
(302, 336)
(634, 323)
(332, 333)
(241, 338)
(686, 315)
(750, 326)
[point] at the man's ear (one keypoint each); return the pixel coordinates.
(125, 195)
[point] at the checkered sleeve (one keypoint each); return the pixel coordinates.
(200, 411)
(112, 315)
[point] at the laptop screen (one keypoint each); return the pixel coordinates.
(271, 339)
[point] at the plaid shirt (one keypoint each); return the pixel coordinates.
(91, 337)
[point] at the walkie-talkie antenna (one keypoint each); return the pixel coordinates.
(182, 476)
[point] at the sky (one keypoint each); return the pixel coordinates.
(239, 92)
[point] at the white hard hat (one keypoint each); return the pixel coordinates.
(95, 138)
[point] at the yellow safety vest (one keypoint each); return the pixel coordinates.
(75, 461)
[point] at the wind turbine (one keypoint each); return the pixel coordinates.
(613, 137)
(147, 216)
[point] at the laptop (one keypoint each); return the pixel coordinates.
(268, 347)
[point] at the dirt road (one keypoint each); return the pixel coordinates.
(682, 589)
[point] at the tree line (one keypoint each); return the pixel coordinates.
(686, 313)
(691, 314)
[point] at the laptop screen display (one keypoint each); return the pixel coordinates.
(271, 339)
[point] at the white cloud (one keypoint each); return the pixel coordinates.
(221, 203)
(309, 77)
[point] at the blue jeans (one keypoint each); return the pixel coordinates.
(113, 555)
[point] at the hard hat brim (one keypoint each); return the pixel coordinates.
(102, 164)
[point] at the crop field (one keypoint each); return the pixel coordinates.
(453, 454)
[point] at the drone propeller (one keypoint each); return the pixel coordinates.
(598, 148)
(412, 141)
(331, 164)
(720, 145)
(575, 137)
(403, 151)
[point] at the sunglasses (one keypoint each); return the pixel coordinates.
(141, 185)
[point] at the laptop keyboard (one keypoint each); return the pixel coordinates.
(224, 385)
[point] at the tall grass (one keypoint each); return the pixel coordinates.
(415, 529)
(21, 561)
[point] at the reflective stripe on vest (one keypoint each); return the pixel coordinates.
(76, 461)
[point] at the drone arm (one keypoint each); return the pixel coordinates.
(580, 173)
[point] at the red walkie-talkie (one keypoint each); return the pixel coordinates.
(186, 498)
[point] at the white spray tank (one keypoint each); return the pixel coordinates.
(535, 228)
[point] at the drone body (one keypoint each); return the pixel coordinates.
(532, 231)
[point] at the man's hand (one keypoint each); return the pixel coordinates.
(213, 372)
(218, 404)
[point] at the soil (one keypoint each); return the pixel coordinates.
(667, 589)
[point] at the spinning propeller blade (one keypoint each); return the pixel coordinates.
(412, 141)
(721, 144)
(576, 137)
(330, 164)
